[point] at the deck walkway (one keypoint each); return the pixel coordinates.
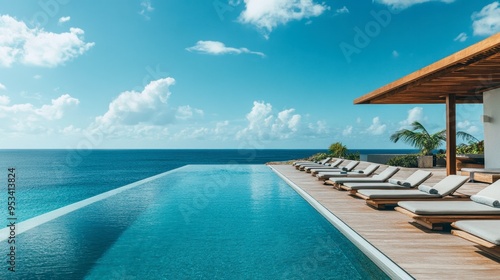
(422, 253)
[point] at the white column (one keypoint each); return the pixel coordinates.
(491, 121)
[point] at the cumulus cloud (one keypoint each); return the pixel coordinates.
(218, 48)
(37, 47)
(268, 14)
(28, 118)
(414, 115)
(132, 107)
(146, 9)
(4, 100)
(186, 112)
(143, 114)
(347, 131)
(403, 4)
(64, 19)
(264, 125)
(487, 21)
(468, 127)
(462, 37)
(2, 87)
(343, 10)
(377, 127)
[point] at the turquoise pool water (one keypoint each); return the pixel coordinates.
(196, 222)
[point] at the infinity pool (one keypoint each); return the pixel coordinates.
(195, 222)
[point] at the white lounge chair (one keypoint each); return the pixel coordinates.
(414, 180)
(484, 233)
(440, 214)
(369, 170)
(381, 199)
(332, 166)
(379, 178)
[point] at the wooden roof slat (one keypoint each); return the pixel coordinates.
(469, 72)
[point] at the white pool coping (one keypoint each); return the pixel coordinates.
(389, 267)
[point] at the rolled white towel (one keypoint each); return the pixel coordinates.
(406, 184)
(486, 200)
(395, 181)
(427, 189)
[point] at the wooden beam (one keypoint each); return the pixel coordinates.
(451, 135)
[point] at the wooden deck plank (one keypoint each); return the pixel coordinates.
(422, 253)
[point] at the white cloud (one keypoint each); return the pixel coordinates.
(146, 9)
(218, 48)
(186, 112)
(358, 120)
(318, 128)
(149, 106)
(18, 43)
(462, 37)
(343, 10)
(415, 114)
(64, 19)
(395, 54)
(403, 4)
(487, 21)
(377, 127)
(4, 100)
(468, 127)
(347, 131)
(28, 118)
(2, 87)
(264, 125)
(268, 14)
(143, 114)
(37, 77)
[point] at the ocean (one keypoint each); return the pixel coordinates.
(49, 179)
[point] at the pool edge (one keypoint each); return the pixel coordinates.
(393, 270)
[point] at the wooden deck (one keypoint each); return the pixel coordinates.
(422, 253)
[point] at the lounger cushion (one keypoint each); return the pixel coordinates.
(369, 185)
(488, 230)
(450, 184)
(356, 180)
(491, 191)
(417, 178)
(394, 194)
(448, 208)
(485, 200)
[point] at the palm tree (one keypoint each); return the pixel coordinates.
(420, 138)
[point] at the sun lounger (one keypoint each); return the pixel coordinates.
(331, 166)
(301, 166)
(485, 233)
(309, 161)
(440, 214)
(348, 167)
(369, 170)
(414, 180)
(381, 199)
(379, 178)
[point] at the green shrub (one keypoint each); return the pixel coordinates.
(352, 156)
(318, 156)
(404, 161)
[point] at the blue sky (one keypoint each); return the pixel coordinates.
(223, 74)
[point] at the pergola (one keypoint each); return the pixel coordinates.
(460, 78)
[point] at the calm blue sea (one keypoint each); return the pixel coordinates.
(49, 179)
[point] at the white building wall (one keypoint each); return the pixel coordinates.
(491, 107)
